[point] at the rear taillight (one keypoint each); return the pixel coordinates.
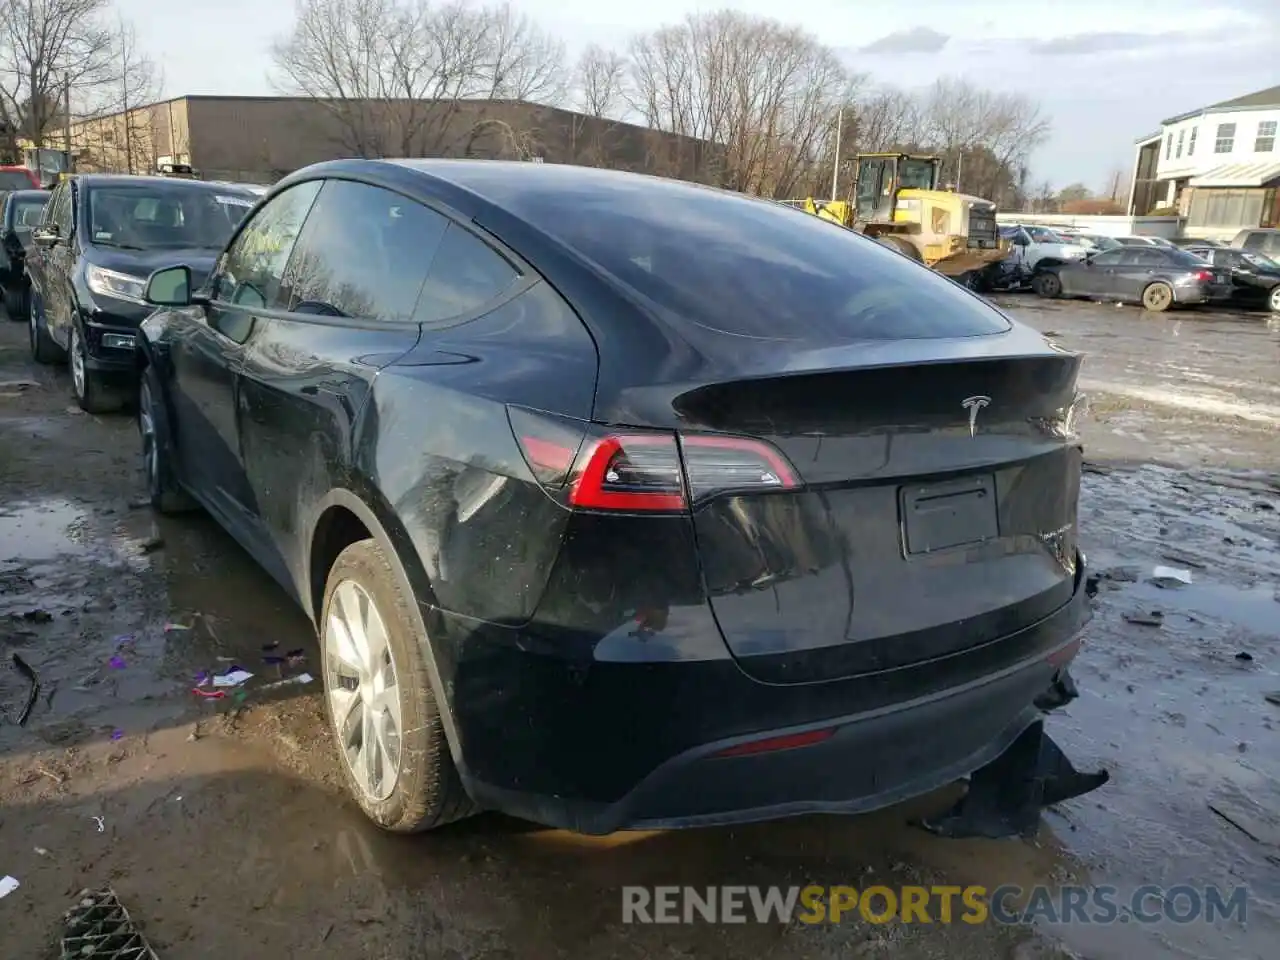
(594, 468)
(1204, 276)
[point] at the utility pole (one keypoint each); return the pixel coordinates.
(66, 117)
(835, 174)
(124, 96)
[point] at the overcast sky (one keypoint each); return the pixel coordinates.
(1105, 71)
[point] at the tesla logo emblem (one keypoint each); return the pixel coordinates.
(973, 405)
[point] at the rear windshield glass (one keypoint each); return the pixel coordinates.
(27, 211)
(15, 180)
(744, 267)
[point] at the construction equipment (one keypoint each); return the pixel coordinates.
(896, 200)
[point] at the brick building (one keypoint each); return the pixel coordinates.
(260, 139)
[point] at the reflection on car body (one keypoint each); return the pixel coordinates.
(622, 502)
(101, 235)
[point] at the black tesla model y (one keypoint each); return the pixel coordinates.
(624, 502)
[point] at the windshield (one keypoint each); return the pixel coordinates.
(916, 174)
(148, 217)
(1045, 235)
(27, 213)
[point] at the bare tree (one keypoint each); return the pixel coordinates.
(958, 118)
(134, 82)
(48, 47)
(763, 92)
(392, 74)
(600, 79)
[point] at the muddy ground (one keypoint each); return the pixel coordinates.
(222, 826)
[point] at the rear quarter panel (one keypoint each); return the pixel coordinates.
(436, 444)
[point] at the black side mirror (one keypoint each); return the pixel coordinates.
(170, 287)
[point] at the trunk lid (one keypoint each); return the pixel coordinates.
(937, 511)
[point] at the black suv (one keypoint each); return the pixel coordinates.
(101, 236)
(22, 211)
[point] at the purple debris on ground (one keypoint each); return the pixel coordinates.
(117, 663)
(117, 734)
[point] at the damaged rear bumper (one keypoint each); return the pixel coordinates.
(849, 763)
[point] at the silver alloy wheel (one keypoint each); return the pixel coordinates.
(77, 362)
(1274, 300)
(364, 697)
(150, 451)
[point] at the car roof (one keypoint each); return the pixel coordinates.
(122, 179)
(28, 193)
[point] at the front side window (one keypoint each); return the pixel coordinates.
(26, 212)
(732, 265)
(1225, 140)
(1266, 140)
(252, 269)
(364, 252)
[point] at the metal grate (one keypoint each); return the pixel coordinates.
(98, 927)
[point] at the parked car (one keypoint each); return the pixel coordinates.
(1136, 241)
(1255, 277)
(589, 482)
(101, 236)
(1264, 240)
(1185, 242)
(21, 211)
(18, 178)
(1157, 277)
(1091, 241)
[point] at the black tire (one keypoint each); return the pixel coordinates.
(15, 303)
(1157, 297)
(91, 390)
(427, 792)
(901, 246)
(43, 348)
(1047, 284)
(163, 490)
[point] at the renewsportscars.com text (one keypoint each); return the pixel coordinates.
(1006, 904)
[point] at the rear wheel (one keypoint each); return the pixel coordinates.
(1047, 284)
(15, 303)
(163, 490)
(43, 348)
(1273, 301)
(900, 245)
(379, 699)
(1157, 297)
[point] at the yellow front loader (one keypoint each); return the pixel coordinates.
(896, 200)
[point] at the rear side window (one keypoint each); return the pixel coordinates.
(744, 267)
(1182, 258)
(1109, 258)
(364, 252)
(466, 274)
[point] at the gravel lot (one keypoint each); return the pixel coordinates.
(224, 830)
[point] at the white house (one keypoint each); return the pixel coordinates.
(1219, 166)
